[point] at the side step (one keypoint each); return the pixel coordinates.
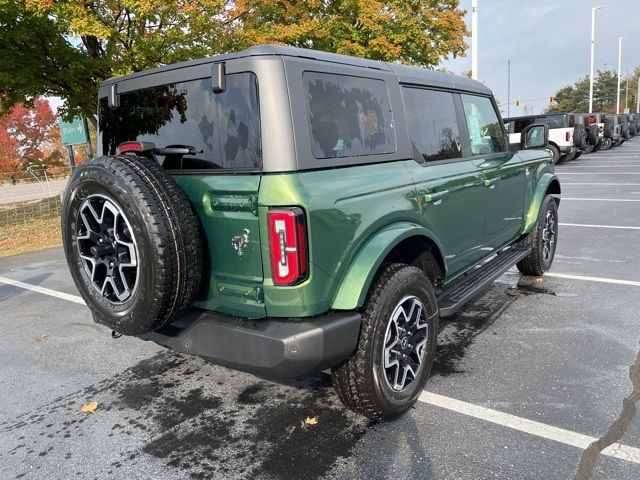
(473, 282)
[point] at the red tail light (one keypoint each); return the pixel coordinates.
(287, 245)
(568, 136)
(136, 147)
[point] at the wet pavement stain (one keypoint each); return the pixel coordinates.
(165, 410)
(458, 333)
(616, 430)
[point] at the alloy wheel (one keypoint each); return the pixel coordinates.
(108, 248)
(405, 343)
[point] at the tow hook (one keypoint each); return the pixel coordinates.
(115, 334)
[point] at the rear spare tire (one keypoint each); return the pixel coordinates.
(132, 242)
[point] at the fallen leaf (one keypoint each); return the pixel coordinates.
(311, 421)
(538, 279)
(89, 407)
(42, 338)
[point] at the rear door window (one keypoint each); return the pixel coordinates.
(348, 116)
(486, 133)
(224, 127)
(432, 123)
(521, 123)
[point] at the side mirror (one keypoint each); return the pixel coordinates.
(534, 136)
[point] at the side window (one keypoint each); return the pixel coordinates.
(519, 125)
(485, 131)
(348, 116)
(432, 123)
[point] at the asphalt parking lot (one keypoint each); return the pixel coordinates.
(535, 379)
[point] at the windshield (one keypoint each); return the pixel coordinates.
(224, 128)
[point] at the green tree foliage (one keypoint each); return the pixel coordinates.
(575, 98)
(66, 48)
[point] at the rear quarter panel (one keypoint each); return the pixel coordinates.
(345, 207)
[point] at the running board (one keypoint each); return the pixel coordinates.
(475, 281)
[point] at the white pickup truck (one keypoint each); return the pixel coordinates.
(562, 129)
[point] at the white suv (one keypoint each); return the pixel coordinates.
(562, 129)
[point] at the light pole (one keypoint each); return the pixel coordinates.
(509, 88)
(619, 73)
(474, 39)
(593, 45)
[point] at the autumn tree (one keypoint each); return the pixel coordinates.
(29, 136)
(66, 48)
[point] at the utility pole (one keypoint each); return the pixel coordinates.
(509, 88)
(474, 39)
(619, 73)
(593, 45)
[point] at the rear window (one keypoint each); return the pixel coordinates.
(223, 127)
(348, 116)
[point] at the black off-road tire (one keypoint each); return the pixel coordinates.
(359, 380)
(606, 144)
(589, 149)
(597, 146)
(555, 152)
(593, 135)
(580, 137)
(167, 232)
(535, 264)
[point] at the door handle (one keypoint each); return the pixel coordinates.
(437, 196)
(490, 182)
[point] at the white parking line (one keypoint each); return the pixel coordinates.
(43, 290)
(586, 225)
(613, 165)
(602, 199)
(617, 450)
(604, 184)
(615, 281)
(598, 173)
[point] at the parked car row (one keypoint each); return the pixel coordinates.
(572, 134)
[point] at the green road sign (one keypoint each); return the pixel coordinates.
(74, 132)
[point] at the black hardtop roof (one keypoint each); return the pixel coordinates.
(406, 74)
(522, 117)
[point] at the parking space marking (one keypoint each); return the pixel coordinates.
(43, 290)
(586, 225)
(632, 283)
(601, 199)
(605, 166)
(605, 184)
(598, 173)
(567, 437)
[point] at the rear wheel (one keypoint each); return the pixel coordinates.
(542, 240)
(387, 372)
(588, 149)
(132, 243)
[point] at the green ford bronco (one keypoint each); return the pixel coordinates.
(283, 211)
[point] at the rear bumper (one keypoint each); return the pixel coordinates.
(273, 348)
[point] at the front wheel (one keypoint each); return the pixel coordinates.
(391, 364)
(606, 143)
(555, 152)
(543, 240)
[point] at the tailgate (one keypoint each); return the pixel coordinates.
(228, 209)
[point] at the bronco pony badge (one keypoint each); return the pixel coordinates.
(240, 241)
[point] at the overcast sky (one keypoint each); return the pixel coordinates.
(549, 44)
